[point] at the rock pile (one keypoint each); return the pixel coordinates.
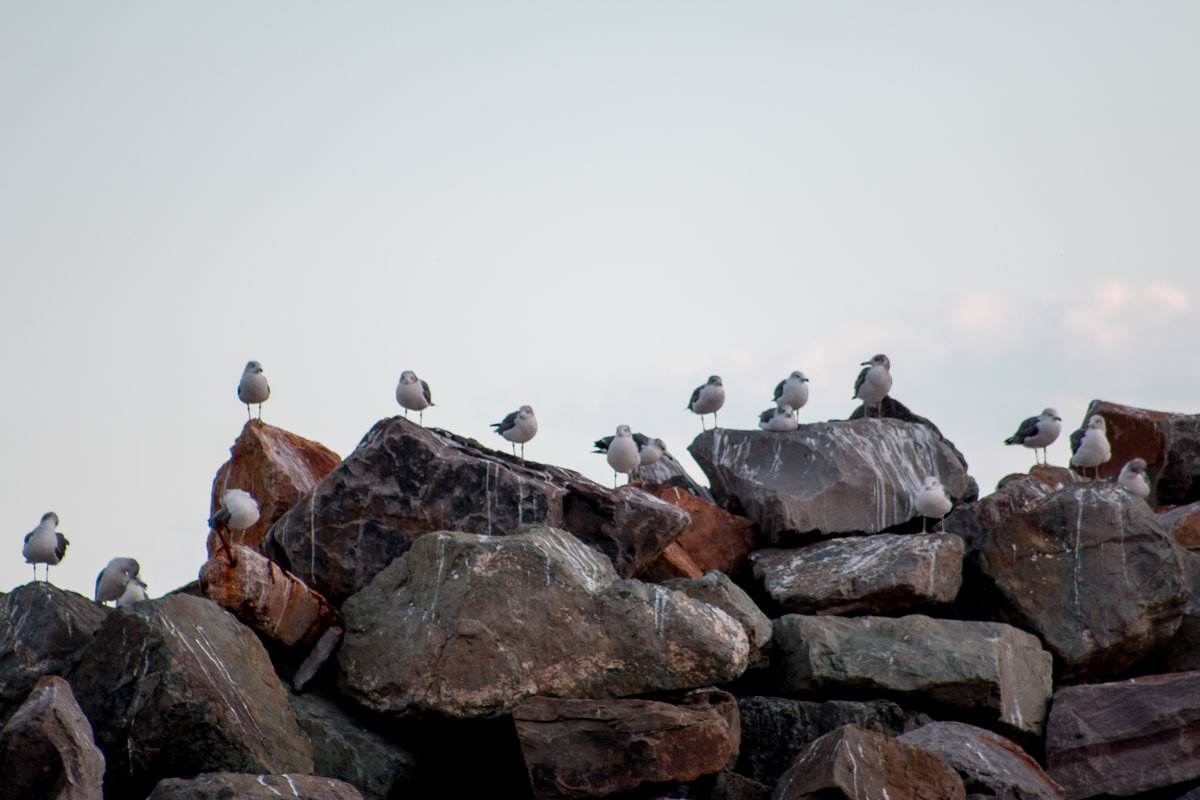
(431, 619)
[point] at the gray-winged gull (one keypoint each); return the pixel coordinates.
(874, 383)
(650, 451)
(135, 592)
(708, 399)
(239, 510)
(622, 453)
(932, 502)
(1133, 477)
(1089, 445)
(413, 394)
(113, 579)
(792, 391)
(253, 387)
(778, 419)
(44, 545)
(518, 427)
(1039, 431)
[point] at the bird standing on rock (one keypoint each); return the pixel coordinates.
(1040, 431)
(792, 391)
(778, 419)
(44, 545)
(413, 394)
(1133, 477)
(518, 427)
(253, 388)
(622, 453)
(650, 451)
(239, 510)
(932, 502)
(874, 383)
(1089, 445)
(708, 399)
(113, 580)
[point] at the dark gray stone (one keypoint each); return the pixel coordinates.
(46, 749)
(235, 786)
(716, 589)
(989, 764)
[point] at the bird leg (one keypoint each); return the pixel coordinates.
(249, 413)
(220, 529)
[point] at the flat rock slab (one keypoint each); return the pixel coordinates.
(586, 748)
(881, 574)
(860, 476)
(1125, 738)
(983, 667)
(403, 481)
(46, 749)
(469, 626)
(226, 785)
(177, 686)
(857, 764)
(1091, 571)
(43, 631)
(989, 764)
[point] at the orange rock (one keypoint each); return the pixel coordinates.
(277, 468)
(1054, 477)
(674, 562)
(715, 539)
(1183, 523)
(266, 597)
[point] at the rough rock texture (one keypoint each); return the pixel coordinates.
(344, 749)
(776, 729)
(277, 468)
(989, 668)
(669, 472)
(672, 562)
(403, 481)
(577, 748)
(881, 574)
(989, 764)
(1169, 442)
(1091, 571)
(229, 785)
(470, 625)
(716, 589)
(832, 477)
(46, 749)
(714, 539)
(1182, 523)
(859, 764)
(275, 603)
(1125, 738)
(177, 686)
(1182, 652)
(43, 631)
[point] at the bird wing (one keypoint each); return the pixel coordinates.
(61, 549)
(506, 424)
(425, 391)
(695, 397)
(1028, 428)
(779, 390)
(99, 578)
(860, 380)
(766, 416)
(1077, 439)
(29, 535)
(602, 444)
(641, 440)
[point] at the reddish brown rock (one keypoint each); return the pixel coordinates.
(261, 594)
(1183, 523)
(277, 468)
(577, 748)
(1055, 478)
(715, 539)
(1170, 443)
(46, 749)
(857, 764)
(673, 562)
(1125, 738)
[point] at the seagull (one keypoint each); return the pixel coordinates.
(1133, 477)
(708, 399)
(239, 510)
(1038, 432)
(777, 419)
(932, 501)
(1089, 445)
(650, 451)
(622, 453)
(792, 391)
(44, 545)
(518, 427)
(253, 388)
(135, 592)
(873, 383)
(113, 580)
(413, 393)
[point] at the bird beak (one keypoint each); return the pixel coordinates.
(865, 364)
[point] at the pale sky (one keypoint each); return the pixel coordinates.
(584, 207)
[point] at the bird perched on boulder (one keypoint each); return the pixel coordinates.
(253, 388)
(932, 502)
(239, 510)
(778, 419)
(708, 399)
(135, 592)
(1040, 431)
(44, 545)
(1133, 477)
(114, 579)
(413, 394)
(1089, 445)
(650, 451)
(874, 383)
(622, 453)
(792, 391)
(518, 427)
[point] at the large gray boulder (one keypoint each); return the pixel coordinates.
(984, 668)
(1091, 571)
(177, 686)
(403, 481)
(881, 574)
(46, 749)
(989, 764)
(468, 626)
(858, 476)
(716, 589)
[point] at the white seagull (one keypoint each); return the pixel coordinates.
(239, 510)
(135, 592)
(413, 394)
(708, 399)
(44, 545)
(932, 502)
(1089, 445)
(1133, 477)
(113, 580)
(253, 388)
(1040, 431)
(650, 451)
(792, 391)
(622, 453)
(874, 383)
(777, 419)
(518, 427)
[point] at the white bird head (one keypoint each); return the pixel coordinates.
(1096, 423)
(798, 375)
(50, 516)
(878, 360)
(624, 430)
(932, 484)
(714, 380)
(783, 410)
(525, 412)
(1050, 413)
(252, 367)
(408, 376)
(1136, 465)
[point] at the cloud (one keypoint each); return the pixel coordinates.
(1115, 318)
